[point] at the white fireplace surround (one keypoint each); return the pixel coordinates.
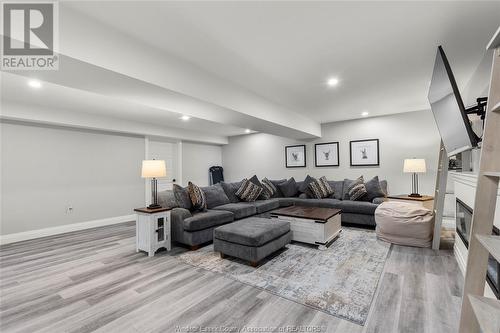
(464, 184)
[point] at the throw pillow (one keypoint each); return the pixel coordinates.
(276, 182)
(197, 197)
(357, 189)
(288, 188)
(230, 190)
(269, 187)
(345, 187)
(264, 195)
(383, 185)
(182, 197)
(373, 189)
(167, 199)
(248, 191)
(215, 196)
(320, 188)
(338, 188)
(304, 185)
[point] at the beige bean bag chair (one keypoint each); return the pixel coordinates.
(404, 223)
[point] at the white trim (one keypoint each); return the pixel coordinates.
(460, 259)
(26, 235)
(448, 223)
(147, 183)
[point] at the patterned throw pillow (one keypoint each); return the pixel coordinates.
(320, 188)
(248, 191)
(197, 197)
(268, 187)
(263, 194)
(357, 189)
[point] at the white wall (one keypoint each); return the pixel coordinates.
(45, 170)
(196, 159)
(401, 136)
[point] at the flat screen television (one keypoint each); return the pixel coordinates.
(448, 108)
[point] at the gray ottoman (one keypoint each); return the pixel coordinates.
(252, 239)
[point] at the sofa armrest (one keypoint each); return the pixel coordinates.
(379, 200)
(177, 216)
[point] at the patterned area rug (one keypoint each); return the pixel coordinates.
(340, 281)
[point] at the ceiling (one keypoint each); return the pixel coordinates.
(253, 65)
(382, 52)
(67, 99)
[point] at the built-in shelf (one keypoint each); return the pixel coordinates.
(492, 244)
(491, 174)
(496, 107)
(487, 311)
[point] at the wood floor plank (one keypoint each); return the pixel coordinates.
(94, 281)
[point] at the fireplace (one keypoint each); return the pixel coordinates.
(463, 225)
(493, 275)
(464, 221)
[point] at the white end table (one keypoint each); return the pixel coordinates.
(152, 230)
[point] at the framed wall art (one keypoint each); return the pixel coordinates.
(295, 156)
(365, 152)
(326, 154)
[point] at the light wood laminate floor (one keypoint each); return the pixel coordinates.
(93, 280)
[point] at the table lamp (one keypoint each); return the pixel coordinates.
(153, 169)
(414, 166)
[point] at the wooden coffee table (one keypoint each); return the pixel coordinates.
(312, 225)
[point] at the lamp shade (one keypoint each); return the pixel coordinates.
(414, 165)
(153, 169)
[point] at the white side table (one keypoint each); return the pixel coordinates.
(152, 230)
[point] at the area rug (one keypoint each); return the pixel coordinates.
(340, 280)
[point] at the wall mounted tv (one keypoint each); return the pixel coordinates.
(448, 108)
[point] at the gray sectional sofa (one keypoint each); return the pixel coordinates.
(194, 228)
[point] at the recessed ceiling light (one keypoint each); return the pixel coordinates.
(185, 118)
(365, 113)
(333, 81)
(34, 84)
(248, 130)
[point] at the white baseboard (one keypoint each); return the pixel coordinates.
(32, 234)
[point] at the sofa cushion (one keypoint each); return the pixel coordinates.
(254, 231)
(303, 186)
(197, 197)
(338, 188)
(288, 188)
(248, 191)
(167, 199)
(357, 207)
(320, 188)
(182, 196)
(230, 190)
(373, 190)
(383, 185)
(278, 193)
(239, 209)
(323, 203)
(263, 206)
(207, 219)
(215, 196)
(345, 188)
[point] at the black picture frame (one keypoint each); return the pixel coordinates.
(288, 163)
(361, 164)
(316, 154)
